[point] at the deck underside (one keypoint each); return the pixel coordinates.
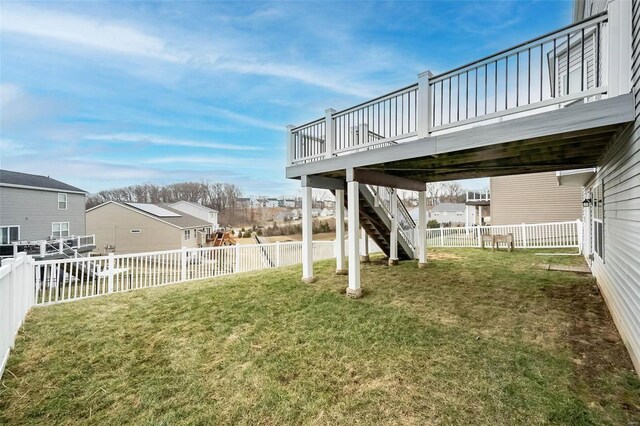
(569, 138)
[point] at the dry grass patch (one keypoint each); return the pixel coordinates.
(477, 337)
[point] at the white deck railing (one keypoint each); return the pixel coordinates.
(49, 247)
(539, 235)
(16, 298)
(551, 71)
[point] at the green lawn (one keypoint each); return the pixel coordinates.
(477, 337)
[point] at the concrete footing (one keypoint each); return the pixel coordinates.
(309, 280)
(393, 262)
(364, 258)
(422, 265)
(342, 272)
(354, 293)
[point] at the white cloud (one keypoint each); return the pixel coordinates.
(126, 39)
(11, 148)
(161, 140)
(81, 30)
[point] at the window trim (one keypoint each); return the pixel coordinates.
(9, 233)
(66, 201)
(60, 231)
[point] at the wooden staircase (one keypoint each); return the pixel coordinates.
(377, 224)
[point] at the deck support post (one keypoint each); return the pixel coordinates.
(353, 210)
(466, 219)
(424, 104)
(340, 267)
(479, 215)
(422, 229)
(307, 236)
(393, 251)
(365, 246)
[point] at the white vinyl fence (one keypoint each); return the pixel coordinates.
(61, 280)
(539, 235)
(16, 298)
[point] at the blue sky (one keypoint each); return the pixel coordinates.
(107, 94)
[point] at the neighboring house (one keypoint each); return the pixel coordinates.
(198, 210)
(533, 198)
(137, 227)
(290, 203)
(272, 203)
(316, 212)
(450, 214)
(325, 212)
(244, 202)
(34, 208)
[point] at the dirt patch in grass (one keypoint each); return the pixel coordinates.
(441, 255)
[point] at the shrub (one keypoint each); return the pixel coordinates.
(433, 224)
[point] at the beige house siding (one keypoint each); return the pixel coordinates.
(533, 198)
(112, 225)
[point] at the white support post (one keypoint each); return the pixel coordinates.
(579, 230)
(480, 215)
(61, 245)
(393, 251)
(339, 249)
(441, 236)
(479, 232)
(15, 249)
(618, 47)
(277, 254)
(183, 264)
(290, 142)
(365, 246)
(466, 218)
(112, 267)
(422, 229)
(330, 132)
(524, 235)
(307, 236)
(43, 248)
(424, 104)
(353, 210)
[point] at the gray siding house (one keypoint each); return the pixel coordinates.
(34, 207)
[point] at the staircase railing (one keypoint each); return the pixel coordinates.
(406, 224)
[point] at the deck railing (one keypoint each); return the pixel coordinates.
(50, 247)
(476, 196)
(551, 71)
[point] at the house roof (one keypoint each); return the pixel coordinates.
(198, 205)
(181, 220)
(26, 180)
(449, 207)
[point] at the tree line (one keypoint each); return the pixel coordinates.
(222, 197)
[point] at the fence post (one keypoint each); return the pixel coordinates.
(479, 236)
(441, 236)
(237, 269)
(277, 254)
(61, 245)
(424, 104)
(11, 262)
(43, 248)
(524, 236)
(112, 265)
(183, 264)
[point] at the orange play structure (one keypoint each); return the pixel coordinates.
(221, 238)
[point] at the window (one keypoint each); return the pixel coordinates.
(8, 234)
(597, 197)
(60, 229)
(187, 234)
(62, 201)
(135, 231)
